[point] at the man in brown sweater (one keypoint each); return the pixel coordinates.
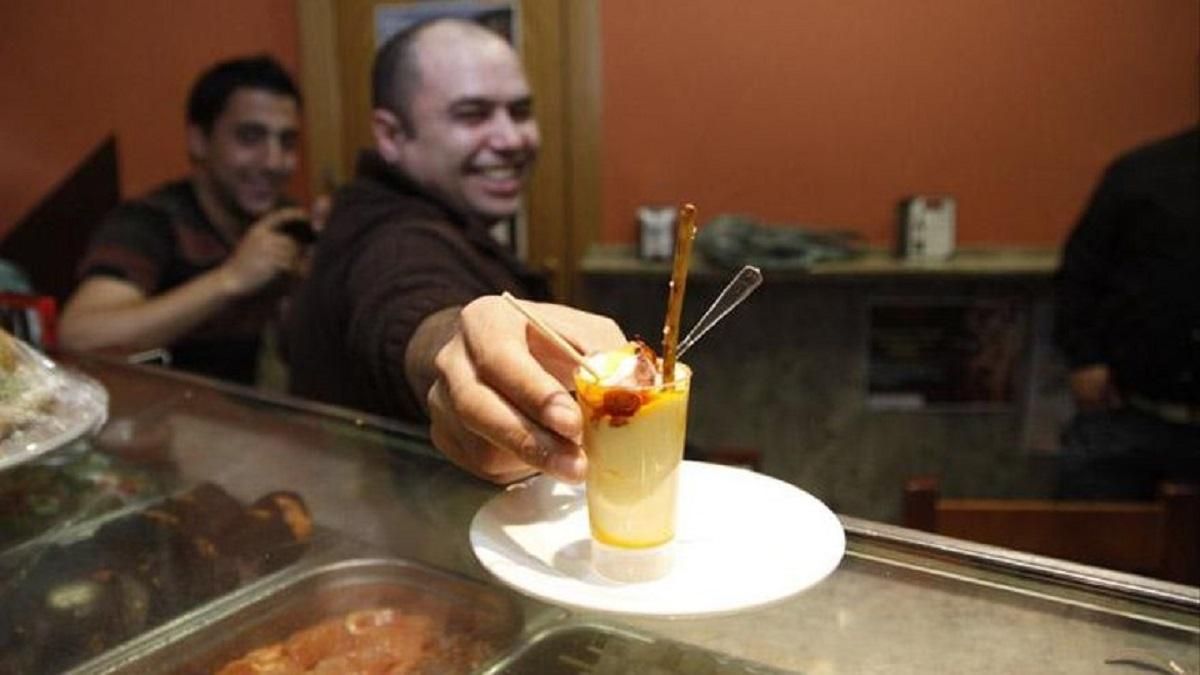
(400, 316)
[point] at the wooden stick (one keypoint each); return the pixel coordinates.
(554, 337)
(685, 232)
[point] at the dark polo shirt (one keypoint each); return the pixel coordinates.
(1129, 285)
(164, 240)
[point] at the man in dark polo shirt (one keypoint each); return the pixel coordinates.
(199, 265)
(1129, 325)
(399, 315)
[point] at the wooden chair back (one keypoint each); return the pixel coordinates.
(1159, 539)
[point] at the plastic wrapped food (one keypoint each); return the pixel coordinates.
(42, 406)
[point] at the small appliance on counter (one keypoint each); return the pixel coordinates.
(927, 227)
(656, 232)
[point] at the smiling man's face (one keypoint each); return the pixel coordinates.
(251, 151)
(473, 137)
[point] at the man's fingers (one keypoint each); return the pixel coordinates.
(487, 460)
(501, 397)
(500, 423)
(469, 451)
(282, 252)
(490, 415)
(590, 332)
(321, 208)
(494, 335)
(280, 216)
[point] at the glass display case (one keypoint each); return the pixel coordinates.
(207, 521)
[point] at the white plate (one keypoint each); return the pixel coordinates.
(742, 540)
(79, 406)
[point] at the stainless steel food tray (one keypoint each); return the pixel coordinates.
(64, 564)
(265, 613)
(588, 648)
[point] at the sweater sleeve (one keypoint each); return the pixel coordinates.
(395, 283)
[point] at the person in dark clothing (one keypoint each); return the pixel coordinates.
(399, 315)
(1128, 301)
(199, 265)
(389, 257)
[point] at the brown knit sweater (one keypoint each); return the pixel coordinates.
(389, 257)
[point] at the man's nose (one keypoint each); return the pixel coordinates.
(276, 158)
(507, 133)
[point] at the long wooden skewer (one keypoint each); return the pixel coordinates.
(553, 336)
(685, 232)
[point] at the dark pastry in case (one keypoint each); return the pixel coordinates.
(37, 497)
(78, 599)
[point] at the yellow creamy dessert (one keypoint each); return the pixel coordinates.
(633, 434)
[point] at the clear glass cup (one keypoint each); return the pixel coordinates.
(634, 438)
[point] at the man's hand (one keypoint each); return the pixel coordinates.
(263, 253)
(1093, 388)
(319, 213)
(500, 405)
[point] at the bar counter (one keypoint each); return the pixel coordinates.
(899, 602)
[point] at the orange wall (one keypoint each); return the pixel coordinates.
(826, 112)
(74, 72)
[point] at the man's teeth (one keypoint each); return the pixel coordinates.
(501, 172)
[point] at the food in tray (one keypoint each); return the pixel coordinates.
(38, 496)
(76, 599)
(26, 387)
(384, 640)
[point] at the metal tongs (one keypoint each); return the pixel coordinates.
(737, 290)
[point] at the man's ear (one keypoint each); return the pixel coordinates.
(389, 135)
(197, 143)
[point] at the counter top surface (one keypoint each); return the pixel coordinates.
(994, 262)
(900, 601)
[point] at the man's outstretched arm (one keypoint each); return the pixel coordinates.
(107, 312)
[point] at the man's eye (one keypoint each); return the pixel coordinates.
(250, 135)
(472, 114)
(289, 140)
(521, 112)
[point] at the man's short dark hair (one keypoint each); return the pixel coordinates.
(212, 90)
(395, 75)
